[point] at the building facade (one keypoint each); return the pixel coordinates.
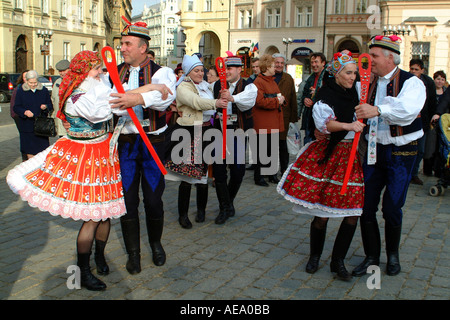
(36, 34)
(163, 23)
(206, 25)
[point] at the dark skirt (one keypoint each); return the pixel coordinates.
(33, 144)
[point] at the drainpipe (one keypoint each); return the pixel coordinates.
(324, 26)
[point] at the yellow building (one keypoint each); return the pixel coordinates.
(36, 34)
(429, 36)
(206, 26)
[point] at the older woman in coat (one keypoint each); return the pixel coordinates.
(32, 98)
(267, 114)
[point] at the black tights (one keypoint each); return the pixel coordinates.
(321, 223)
(90, 230)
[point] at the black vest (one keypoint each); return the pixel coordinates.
(147, 69)
(245, 118)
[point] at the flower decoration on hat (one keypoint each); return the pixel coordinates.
(340, 60)
(391, 43)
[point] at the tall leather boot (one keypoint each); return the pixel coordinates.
(131, 238)
(370, 234)
(184, 195)
(340, 249)
(392, 237)
(224, 202)
(99, 257)
(202, 200)
(233, 188)
(88, 280)
(317, 240)
(155, 230)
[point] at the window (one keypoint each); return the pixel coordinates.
(94, 13)
(82, 46)
(63, 8)
(245, 19)
(339, 6)
(18, 4)
(169, 41)
(421, 50)
(273, 18)
(361, 6)
(208, 5)
(44, 6)
(190, 5)
(66, 51)
(304, 16)
(80, 10)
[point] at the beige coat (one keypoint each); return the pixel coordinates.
(191, 105)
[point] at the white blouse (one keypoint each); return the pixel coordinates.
(322, 114)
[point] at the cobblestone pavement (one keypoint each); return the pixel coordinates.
(260, 254)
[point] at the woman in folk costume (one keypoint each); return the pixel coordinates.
(313, 182)
(79, 176)
(196, 104)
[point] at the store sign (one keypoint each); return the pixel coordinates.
(302, 52)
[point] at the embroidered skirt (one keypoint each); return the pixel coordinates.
(315, 188)
(72, 179)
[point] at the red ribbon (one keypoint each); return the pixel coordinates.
(222, 70)
(114, 74)
(365, 82)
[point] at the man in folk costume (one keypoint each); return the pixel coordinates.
(241, 97)
(393, 107)
(137, 165)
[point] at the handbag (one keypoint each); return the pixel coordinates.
(293, 139)
(44, 125)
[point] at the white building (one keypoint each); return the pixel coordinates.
(164, 26)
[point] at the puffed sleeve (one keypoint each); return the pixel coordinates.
(322, 114)
(153, 99)
(93, 105)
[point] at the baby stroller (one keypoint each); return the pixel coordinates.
(443, 131)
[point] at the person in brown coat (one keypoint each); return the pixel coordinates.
(287, 87)
(267, 114)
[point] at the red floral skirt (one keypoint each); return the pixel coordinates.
(316, 188)
(72, 179)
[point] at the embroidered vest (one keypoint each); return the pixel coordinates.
(81, 128)
(393, 89)
(245, 118)
(146, 72)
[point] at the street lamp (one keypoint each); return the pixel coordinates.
(287, 42)
(45, 34)
(397, 30)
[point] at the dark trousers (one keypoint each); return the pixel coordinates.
(284, 155)
(139, 169)
(393, 172)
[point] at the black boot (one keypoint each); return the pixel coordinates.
(224, 202)
(233, 188)
(184, 195)
(370, 234)
(317, 240)
(392, 237)
(99, 257)
(155, 230)
(340, 249)
(274, 178)
(88, 280)
(131, 238)
(202, 200)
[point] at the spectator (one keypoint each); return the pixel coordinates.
(31, 100)
(307, 97)
(62, 67)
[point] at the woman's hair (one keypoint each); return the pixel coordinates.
(439, 73)
(265, 62)
(20, 78)
(32, 74)
(215, 70)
